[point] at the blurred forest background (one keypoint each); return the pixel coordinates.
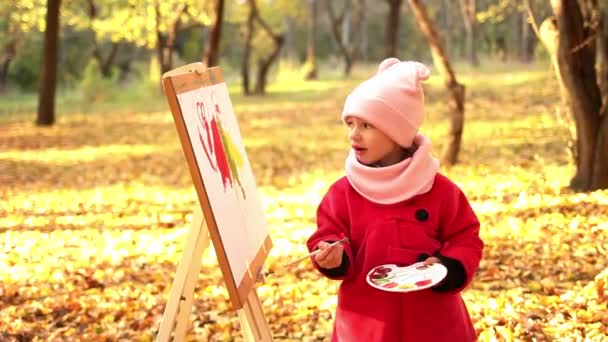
(96, 198)
(105, 45)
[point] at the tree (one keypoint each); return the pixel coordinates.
(469, 12)
(212, 52)
(8, 49)
(17, 20)
(311, 50)
(455, 89)
(569, 37)
(602, 55)
(166, 39)
(8, 53)
(48, 79)
(445, 24)
(127, 24)
(392, 27)
(105, 64)
(264, 62)
(526, 47)
(337, 25)
(249, 24)
(161, 30)
(361, 30)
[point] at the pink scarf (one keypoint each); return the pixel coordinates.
(398, 182)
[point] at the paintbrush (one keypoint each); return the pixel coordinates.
(315, 252)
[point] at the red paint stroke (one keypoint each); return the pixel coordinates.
(220, 154)
(207, 145)
(212, 145)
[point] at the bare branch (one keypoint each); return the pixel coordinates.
(532, 19)
(586, 42)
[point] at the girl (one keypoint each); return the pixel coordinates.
(395, 208)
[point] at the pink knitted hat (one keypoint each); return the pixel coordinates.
(392, 100)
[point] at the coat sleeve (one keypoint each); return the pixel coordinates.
(332, 225)
(459, 231)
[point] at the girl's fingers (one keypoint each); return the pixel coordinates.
(320, 258)
(336, 252)
(323, 246)
(431, 260)
(326, 256)
(329, 255)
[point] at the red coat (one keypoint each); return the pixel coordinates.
(439, 221)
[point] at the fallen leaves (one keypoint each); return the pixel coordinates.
(94, 213)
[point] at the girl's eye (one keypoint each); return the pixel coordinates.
(366, 125)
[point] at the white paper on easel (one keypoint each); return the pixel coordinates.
(220, 154)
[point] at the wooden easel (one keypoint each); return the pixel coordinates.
(175, 320)
(179, 305)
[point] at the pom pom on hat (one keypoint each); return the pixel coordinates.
(392, 100)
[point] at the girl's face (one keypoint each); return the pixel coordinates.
(371, 146)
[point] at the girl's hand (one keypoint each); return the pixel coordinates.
(432, 260)
(329, 257)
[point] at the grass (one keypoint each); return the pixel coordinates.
(286, 89)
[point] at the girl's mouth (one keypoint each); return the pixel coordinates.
(358, 150)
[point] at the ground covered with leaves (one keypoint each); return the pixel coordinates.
(95, 210)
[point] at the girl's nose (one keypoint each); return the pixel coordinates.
(353, 134)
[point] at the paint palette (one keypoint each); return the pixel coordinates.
(415, 277)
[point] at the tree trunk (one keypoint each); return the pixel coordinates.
(247, 53)
(455, 89)
(166, 42)
(446, 24)
(525, 53)
(212, 52)
(291, 40)
(602, 55)
(515, 42)
(264, 64)
(311, 51)
(392, 28)
(165, 54)
(160, 41)
(336, 23)
(105, 64)
(469, 12)
(572, 52)
(601, 167)
(346, 26)
(362, 43)
(48, 74)
(10, 50)
(600, 173)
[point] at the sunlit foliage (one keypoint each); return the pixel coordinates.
(134, 21)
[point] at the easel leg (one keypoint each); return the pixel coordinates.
(180, 298)
(188, 292)
(253, 323)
